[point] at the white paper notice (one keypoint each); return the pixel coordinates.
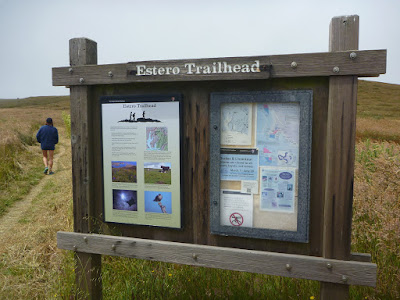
(249, 186)
(236, 209)
(277, 189)
(236, 124)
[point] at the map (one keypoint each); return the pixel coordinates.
(157, 138)
(278, 134)
(236, 124)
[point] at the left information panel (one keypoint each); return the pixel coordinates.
(141, 145)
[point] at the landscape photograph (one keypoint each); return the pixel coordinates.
(124, 171)
(157, 173)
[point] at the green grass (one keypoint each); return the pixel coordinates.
(378, 100)
(20, 169)
(47, 101)
(67, 123)
(125, 278)
(154, 176)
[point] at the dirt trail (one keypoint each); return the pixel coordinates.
(19, 208)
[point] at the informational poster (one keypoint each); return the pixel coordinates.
(239, 164)
(236, 121)
(141, 160)
(277, 189)
(258, 183)
(236, 209)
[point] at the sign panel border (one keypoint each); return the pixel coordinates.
(304, 98)
(145, 99)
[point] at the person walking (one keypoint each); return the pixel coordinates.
(47, 136)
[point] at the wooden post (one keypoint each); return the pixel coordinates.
(339, 175)
(88, 266)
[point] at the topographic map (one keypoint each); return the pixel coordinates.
(278, 134)
(236, 124)
(157, 138)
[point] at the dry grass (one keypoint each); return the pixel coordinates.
(376, 211)
(32, 267)
(379, 129)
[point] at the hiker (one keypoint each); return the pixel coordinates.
(47, 136)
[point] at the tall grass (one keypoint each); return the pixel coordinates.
(67, 123)
(20, 155)
(17, 172)
(376, 211)
(33, 268)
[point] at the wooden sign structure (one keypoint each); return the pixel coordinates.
(332, 77)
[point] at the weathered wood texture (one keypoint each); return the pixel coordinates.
(365, 63)
(339, 176)
(83, 51)
(288, 265)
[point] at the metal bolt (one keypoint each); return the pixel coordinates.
(74, 247)
(215, 202)
(113, 247)
(215, 127)
(70, 70)
(353, 55)
(288, 267)
(110, 74)
(81, 80)
(329, 266)
(293, 65)
(194, 255)
(344, 278)
(85, 239)
(336, 69)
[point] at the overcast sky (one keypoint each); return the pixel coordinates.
(34, 34)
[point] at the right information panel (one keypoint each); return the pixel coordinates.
(260, 161)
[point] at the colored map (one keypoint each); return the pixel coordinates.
(157, 138)
(278, 134)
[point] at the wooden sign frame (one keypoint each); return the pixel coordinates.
(333, 78)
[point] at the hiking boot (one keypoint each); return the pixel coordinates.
(51, 173)
(45, 170)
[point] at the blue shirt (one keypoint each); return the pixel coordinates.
(47, 136)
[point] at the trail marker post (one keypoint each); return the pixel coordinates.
(227, 196)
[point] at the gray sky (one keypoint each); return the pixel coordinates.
(34, 34)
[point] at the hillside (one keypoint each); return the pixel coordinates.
(378, 100)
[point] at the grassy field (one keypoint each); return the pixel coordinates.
(154, 176)
(20, 157)
(124, 174)
(31, 266)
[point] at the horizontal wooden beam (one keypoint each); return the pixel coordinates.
(363, 257)
(359, 63)
(288, 265)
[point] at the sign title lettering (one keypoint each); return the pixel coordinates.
(195, 69)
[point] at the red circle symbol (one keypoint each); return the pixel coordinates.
(236, 219)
